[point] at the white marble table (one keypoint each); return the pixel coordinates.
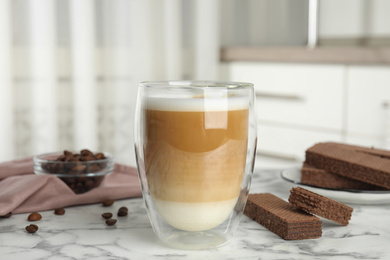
(82, 234)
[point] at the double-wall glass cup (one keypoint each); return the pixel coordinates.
(195, 144)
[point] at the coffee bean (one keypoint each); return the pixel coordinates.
(110, 222)
(122, 212)
(85, 152)
(69, 181)
(86, 158)
(78, 168)
(59, 211)
(124, 208)
(32, 228)
(89, 184)
(77, 164)
(61, 158)
(35, 216)
(71, 159)
(94, 167)
(67, 153)
(59, 168)
(107, 215)
(70, 163)
(77, 156)
(8, 215)
(100, 156)
(108, 203)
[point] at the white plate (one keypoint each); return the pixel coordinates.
(293, 177)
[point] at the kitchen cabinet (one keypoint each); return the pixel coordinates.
(368, 105)
(284, 146)
(299, 104)
(295, 94)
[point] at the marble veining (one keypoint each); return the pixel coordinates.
(82, 234)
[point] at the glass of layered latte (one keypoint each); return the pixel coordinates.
(195, 145)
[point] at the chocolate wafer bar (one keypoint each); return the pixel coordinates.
(367, 165)
(319, 205)
(282, 218)
(324, 179)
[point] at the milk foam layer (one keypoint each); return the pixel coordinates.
(197, 104)
(195, 216)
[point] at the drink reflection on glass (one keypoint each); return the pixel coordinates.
(195, 146)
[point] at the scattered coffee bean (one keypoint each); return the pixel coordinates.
(108, 203)
(110, 222)
(123, 209)
(8, 215)
(122, 212)
(107, 215)
(35, 216)
(59, 211)
(32, 228)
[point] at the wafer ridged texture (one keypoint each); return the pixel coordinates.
(281, 218)
(320, 205)
(364, 164)
(322, 178)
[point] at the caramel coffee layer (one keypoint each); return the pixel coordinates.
(195, 156)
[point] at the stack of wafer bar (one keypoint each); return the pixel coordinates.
(342, 166)
(296, 220)
(282, 218)
(324, 179)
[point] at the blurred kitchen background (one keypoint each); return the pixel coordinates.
(69, 69)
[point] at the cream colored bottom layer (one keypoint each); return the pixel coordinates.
(195, 216)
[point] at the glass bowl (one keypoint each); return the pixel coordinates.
(81, 171)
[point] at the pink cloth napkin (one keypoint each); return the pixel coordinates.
(21, 191)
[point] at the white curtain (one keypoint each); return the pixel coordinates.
(69, 69)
